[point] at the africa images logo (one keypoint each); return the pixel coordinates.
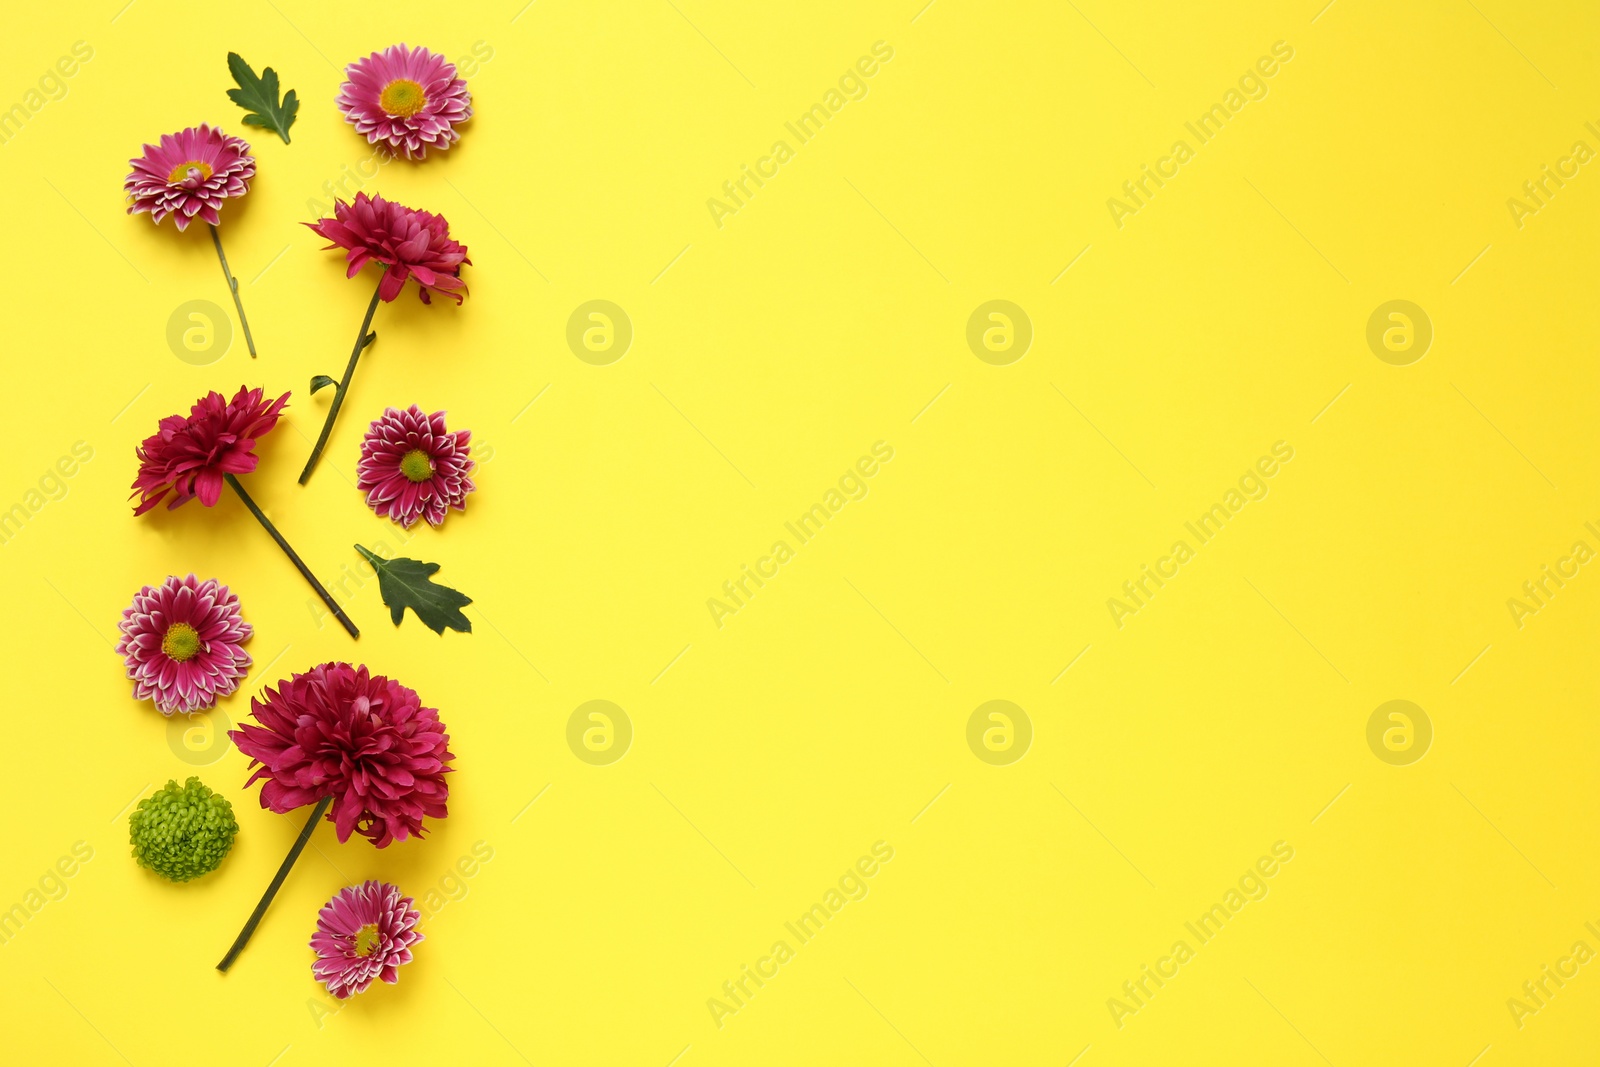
(852, 85)
(1252, 485)
(853, 885)
(1252, 885)
(1252, 86)
(852, 485)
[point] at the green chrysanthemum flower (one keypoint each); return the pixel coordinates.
(182, 833)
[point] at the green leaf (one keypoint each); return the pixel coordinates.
(259, 97)
(405, 583)
(321, 381)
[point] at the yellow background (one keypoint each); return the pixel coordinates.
(769, 354)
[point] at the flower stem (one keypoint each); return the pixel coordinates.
(277, 882)
(362, 340)
(327, 598)
(233, 287)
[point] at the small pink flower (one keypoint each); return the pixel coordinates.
(410, 99)
(407, 242)
(364, 932)
(181, 642)
(189, 173)
(413, 468)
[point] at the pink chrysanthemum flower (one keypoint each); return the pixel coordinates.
(409, 99)
(189, 173)
(363, 740)
(181, 642)
(190, 454)
(364, 932)
(408, 243)
(413, 468)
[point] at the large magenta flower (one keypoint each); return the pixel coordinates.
(364, 932)
(409, 99)
(361, 739)
(412, 467)
(181, 642)
(408, 243)
(189, 173)
(189, 455)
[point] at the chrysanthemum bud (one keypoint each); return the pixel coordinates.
(182, 833)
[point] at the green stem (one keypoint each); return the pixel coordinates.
(327, 598)
(362, 340)
(233, 287)
(277, 882)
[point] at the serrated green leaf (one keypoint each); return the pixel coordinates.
(405, 583)
(259, 97)
(321, 381)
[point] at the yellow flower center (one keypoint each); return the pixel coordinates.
(416, 465)
(181, 642)
(367, 940)
(192, 169)
(403, 98)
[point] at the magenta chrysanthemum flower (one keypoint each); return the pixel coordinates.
(409, 99)
(364, 932)
(413, 468)
(181, 642)
(408, 243)
(363, 740)
(189, 173)
(190, 454)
